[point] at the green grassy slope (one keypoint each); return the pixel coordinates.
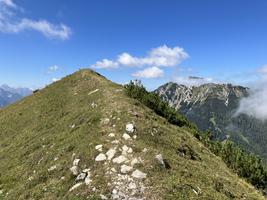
(41, 135)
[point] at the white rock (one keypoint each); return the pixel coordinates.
(126, 136)
(81, 176)
(105, 121)
(103, 197)
(52, 168)
(113, 169)
(120, 159)
(73, 126)
(134, 162)
(93, 105)
(138, 174)
(111, 153)
(86, 170)
(134, 137)
(125, 169)
(92, 92)
(115, 142)
(88, 180)
(132, 186)
(145, 150)
(130, 150)
(75, 186)
(160, 160)
(125, 148)
(74, 170)
(130, 128)
(76, 162)
(111, 135)
(101, 157)
(99, 147)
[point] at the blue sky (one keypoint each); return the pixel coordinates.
(164, 40)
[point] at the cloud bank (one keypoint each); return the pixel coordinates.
(162, 56)
(256, 103)
(192, 80)
(152, 72)
(11, 23)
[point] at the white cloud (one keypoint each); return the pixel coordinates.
(256, 103)
(8, 3)
(10, 23)
(105, 64)
(192, 80)
(162, 56)
(152, 72)
(53, 68)
(55, 79)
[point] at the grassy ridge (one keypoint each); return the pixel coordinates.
(58, 123)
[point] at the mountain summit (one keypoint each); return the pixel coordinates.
(83, 138)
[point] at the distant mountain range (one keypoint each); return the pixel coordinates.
(212, 107)
(10, 95)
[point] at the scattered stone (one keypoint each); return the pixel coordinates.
(134, 162)
(125, 169)
(73, 126)
(93, 105)
(111, 135)
(81, 176)
(56, 158)
(163, 162)
(115, 142)
(160, 160)
(52, 168)
(74, 170)
(134, 137)
(30, 178)
(86, 170)
(92, 92)
(120, 159)
(130, 128)
(126, 136)
(103, 197)
(111, 153)
(88, 179)
(132, 186)
(114, 125)
(145, 150)
(125, 148)
(113, 169)
(105, 121)
(130, 150)
(76, 162)
(75, 186)
(99, 147)
(138, 174)
(100, 157)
